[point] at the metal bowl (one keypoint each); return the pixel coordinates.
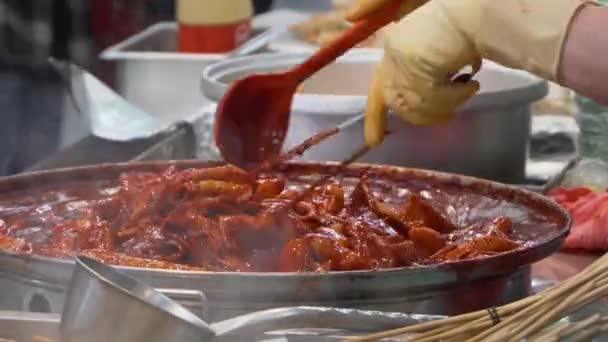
(487, 139)
(104, 304)
(438, 289)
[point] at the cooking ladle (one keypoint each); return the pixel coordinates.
(253, 115)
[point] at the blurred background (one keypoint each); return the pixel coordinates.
(31, 94)
(134, 47)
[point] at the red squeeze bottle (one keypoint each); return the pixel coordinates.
(213, 26)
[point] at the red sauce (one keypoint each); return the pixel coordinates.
(222, 219)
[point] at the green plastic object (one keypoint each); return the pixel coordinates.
(592, 119)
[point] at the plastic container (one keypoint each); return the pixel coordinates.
(487, 139)
(213, 26)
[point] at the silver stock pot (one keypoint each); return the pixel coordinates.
(488, 138)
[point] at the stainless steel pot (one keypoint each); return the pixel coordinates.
(488, 138)
(40, 282)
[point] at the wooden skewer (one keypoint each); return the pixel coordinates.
(583, 296)
(450, 333)
(572, 329)
(585, 335)
(543, 317)
(527, 318)
(595, 270)
(456, 320)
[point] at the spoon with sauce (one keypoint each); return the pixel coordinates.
(246, 139)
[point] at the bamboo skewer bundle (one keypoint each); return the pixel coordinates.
(580, 331)
(526, 318)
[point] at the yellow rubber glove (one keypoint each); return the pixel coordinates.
(362, 8)
(432, 44)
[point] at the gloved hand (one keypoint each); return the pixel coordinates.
(430, 45)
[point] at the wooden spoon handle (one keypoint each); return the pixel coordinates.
(349, 39)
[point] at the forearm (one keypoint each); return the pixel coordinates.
(584, 66)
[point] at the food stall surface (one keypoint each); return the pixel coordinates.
(555, 268)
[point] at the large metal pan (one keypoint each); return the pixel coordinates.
(37, 283)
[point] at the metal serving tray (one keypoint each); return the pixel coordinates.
(153, 76)
(282, 324)
(302, 324)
